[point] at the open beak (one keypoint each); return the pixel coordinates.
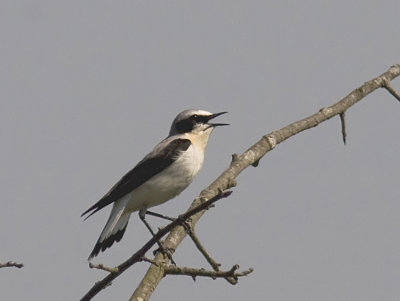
(216, 115)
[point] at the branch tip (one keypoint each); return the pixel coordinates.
(101, 266)
(226, 193)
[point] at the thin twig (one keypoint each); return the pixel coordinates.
(193, 272)
(386, 84)
(207, 256)
(203, 251)
(343, 122)
(12, 264)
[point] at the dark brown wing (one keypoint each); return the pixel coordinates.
(151, 165)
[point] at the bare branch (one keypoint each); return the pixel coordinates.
(192, 272)
(10, 264)
(227, 179)
(249, 157)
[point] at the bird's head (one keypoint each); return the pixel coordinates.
(195, 122)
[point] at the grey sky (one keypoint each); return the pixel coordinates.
(88, 87)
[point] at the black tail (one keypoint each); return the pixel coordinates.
(108, 242)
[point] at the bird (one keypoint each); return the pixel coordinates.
(160, 176)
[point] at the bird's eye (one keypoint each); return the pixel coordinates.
(198, 118)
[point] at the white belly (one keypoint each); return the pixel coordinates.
(168, 183)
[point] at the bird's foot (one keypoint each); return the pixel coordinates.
(185, 223)
(166, 251)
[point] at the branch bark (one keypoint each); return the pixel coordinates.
(252, 156)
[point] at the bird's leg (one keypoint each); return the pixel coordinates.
(183, 223)
(160, 215)
(142, 215)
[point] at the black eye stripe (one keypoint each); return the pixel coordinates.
(186, 125)
(199, 119)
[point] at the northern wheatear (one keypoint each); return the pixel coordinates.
(164, 173)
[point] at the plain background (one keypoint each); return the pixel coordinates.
(87, 88)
